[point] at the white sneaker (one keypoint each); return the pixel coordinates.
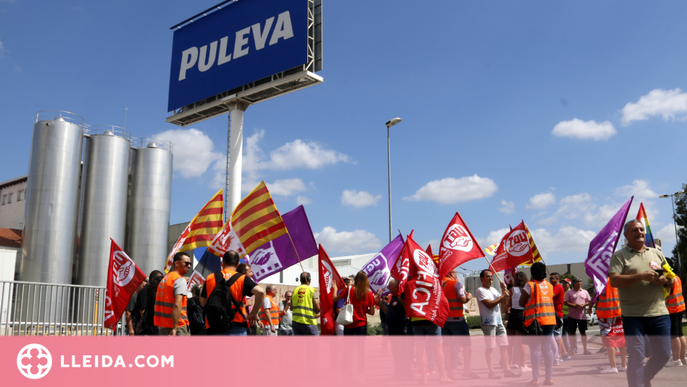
(622, 369)
(609, 370)
(525, 369)
(683, 361)
(674, 363)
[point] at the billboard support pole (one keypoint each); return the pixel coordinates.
(232, 191)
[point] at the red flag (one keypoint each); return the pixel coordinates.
(429, 252)
(401, 268)
(195, 279)
(457, 246)
(123, 278)
(514, 249)
(509, 276)
(424, 296)
(328, 275)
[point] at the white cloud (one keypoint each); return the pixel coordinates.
(193, 151)
(664, 103)
(451, 190)
(493, 237)
(602, 215)
(2, 48)
(639, 188)
(585, 130)
(348, 241)
(295, 154)
(541, 201)
(572, 207)
(302, 200)
(286, 187)
(567, 240)
(507, 207)
(666, 234)
(359, 199)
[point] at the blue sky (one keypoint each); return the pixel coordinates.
(555, 113)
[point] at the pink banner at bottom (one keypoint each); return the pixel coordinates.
(293, 361)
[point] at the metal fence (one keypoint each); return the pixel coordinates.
(41, 309)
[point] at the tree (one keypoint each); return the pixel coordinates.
(681, 221)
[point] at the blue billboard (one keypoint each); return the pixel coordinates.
(241, 43)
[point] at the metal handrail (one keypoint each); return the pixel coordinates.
(49, 309)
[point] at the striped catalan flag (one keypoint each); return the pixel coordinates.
(536, 257)
(202, 229)
(256, 220)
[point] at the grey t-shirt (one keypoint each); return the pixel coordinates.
(641, 299)
(285, 322)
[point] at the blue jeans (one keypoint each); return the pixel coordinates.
(542, 346)
(238, 331)
(359, 331)
(642, 333)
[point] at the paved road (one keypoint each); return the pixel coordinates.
(580, 371)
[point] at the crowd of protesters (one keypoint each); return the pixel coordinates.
(640, 313)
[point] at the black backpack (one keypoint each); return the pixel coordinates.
(196, 317)
(218, 310)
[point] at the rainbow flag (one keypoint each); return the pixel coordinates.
(641, 216)
(256, 221)
(201, 230)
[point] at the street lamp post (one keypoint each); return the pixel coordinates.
(389, 124)
(672, 200)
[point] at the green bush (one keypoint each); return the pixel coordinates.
(374, 330)
(473, 321)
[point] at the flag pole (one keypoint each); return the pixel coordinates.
(294, 249)
(492, 269)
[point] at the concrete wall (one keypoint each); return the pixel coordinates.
(12, 200)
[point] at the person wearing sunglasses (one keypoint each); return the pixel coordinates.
(170, 299)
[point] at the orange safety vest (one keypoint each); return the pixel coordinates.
(164, 303)
(236, 292)
(454, 305)
(540, 304)
(675, 302)
(273, 312)
(609, 302)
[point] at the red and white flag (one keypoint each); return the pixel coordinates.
(509, 275)
(328, 276)
(195, 279)
(123, 278)
(424, 296)
(457, 246)
(401, 268)
(513, 250)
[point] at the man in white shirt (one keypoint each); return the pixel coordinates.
(492, 323)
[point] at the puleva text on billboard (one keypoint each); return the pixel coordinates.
(246, 41)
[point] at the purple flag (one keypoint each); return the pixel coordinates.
(378, 269)
(601, 249)
(277, 255)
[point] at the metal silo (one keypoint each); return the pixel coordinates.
(51, 210)
(149, 203)
(104, 191)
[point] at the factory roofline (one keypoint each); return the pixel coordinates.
(16, 180)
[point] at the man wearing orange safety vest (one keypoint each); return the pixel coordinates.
(537, 299)
(675, 303)
(456, 325)
(242, 287)
(269, 313)
(170, 299)
(611, 326)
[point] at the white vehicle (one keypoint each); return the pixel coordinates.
(591, 318)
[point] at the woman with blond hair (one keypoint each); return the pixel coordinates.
(363, 302)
